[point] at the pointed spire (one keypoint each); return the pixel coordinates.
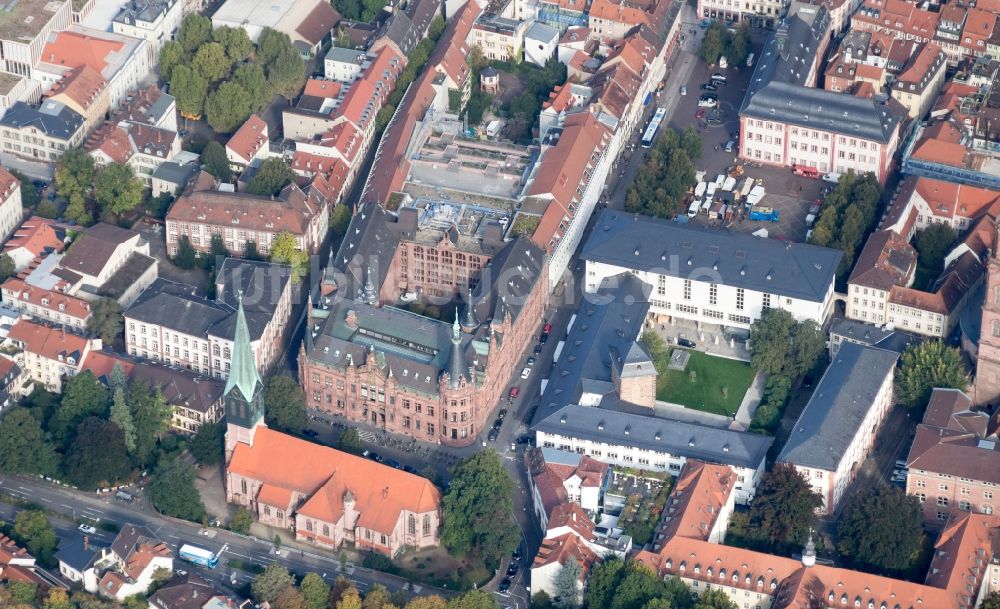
(371, 295)
(809, 553)
(456, 360)
(470, 313)
(243, 371)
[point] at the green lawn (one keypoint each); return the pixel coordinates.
(706, 393)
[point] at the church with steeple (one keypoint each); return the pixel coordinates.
(243, 395)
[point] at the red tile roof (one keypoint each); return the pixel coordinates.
(83, 85)
(53, 300)
(36, 235)
(72, 49)
(562, 548)
(249, 138)
(631, 13)
(50, 343)
(327, 89)
(319, 23)
(8, 183)
(697, 499)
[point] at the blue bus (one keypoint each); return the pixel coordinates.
(198, 556)
(654, 125)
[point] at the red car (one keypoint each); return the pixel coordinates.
(547, 328)
(700, 113)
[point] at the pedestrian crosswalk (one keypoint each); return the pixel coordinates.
(367, 436)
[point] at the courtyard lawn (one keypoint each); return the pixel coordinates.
(706, 392)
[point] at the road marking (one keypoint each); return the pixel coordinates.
(240, 555)
(45, 500)
(68, 507)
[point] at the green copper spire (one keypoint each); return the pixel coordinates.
(243, 372)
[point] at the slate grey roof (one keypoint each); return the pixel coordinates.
(142, 10)
(890, 340)
(400, 30)
(159, 108)
(795, 270)
(187, 591)
(175, 306)
(51, 118)
(507, 280)
(75, 555)
(342, 55)
(176, 174)
(680, 438)
(370, 242)
(838, 406)
(607, 322)
(777, 92)
(179, 386)
(541, 32)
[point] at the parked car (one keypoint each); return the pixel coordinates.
(409, 470)
(516, 554)
(512, 569)
(492, 436)
(684, 90)
(709, 87)
(502, 413)
(901, 464)
(526, 372)
(310, 433)
(547, 328)
(538, 348)
(684, 342)
(393, 463)
(504, 586)
(718, 77)
(707, 102)
(514, 392)
(498, 424)
(700, 113)
(86, 529)
(374, 456)
(807, 382)
(543, 338)
(730, 145)
(531, 361)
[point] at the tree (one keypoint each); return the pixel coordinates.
(350, 599)
(714, 599)
(57, 598)
(290, 598)
(106, 320)
(251, 77)
(784, 509)
(436, 28)
(151, 417)
(933, 244)
(266, 586)
(215, 162)
(881, 530)
(250, 251)
(285, 404)
(190, 89)
(340, 219)
(926, 366)
(242, 521)
(24, 593)
(23, 449)
(75, 174)
(270, 43)
(474, 599)
(376, 598)
(76, 211)
(117, 189)
(350, 441)
(287, 73)
(427, 602)
(780, 345)
(714, 42)
(285, 250)
(7, 267)
(171, 55)
(97, 456)
(478, 509)
(315, 591)
(621, 584)
(186, 256)
(47, 209)
(211, 62)
(83, 397)
(33, 531)
(235, 41)
(228, 107)
(542, 600)
(29, 194)
(272, 175)
(566, 585)
(207, 444)
(992, 601)
(195, 30)
(121, 416)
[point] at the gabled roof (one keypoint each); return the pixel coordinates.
(94, 247)
(319, 23)
(37, 235)
(82, 84)
(887, 260)
(249, 138)
(563, 548)
(697, 499)
(50, 343)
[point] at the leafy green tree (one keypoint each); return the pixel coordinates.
(33, 531)
(714, 599)
(427, 602)
(478, 509)
(82, 397)
(378, 597)
(290, 598)
(207, 445)
(287, 73)
(121, 416)
(542, 600)
(272, 175)
(340, 219)
(250, 251)
(173, 491)
(474, 599)
(270, 43)
(436, 28)
(285, 404)
(195, 30)
(75, 174)
(228, 107)
(151, 417)
(350, 441)
(186, 257)
(714, 43)
(933, 244)
(25, 593)
(214, 159)
(621, 584)
(76, 211)
(7, 267)
(285, 250)
(350, 599)
(566, 584)
(926, 366)
(992, 601)
(849, 212)
(784, 509)
(23, 448)
(29, 194)
(171, 55)
(266, 586)
(57, 598)
(47, 209)
(880, 530)
(42, 405)
(251, 77)
(97, 456)
(348, 9)
(738, 45)
(190, 90)
(242, 521)
(235, 41)
(780, 345)
(106, 320)
(211, 62)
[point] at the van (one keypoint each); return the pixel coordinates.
(723, 62)
(831, 178)
(124, 497)
(693, 208)
(750, 58)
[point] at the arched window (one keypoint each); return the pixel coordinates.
(413, 524)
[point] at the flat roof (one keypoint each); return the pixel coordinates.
(265, 13)
(22, 20)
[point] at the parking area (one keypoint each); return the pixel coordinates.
(787, 193)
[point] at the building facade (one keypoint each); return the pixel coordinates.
(49, 356)
(11, 212)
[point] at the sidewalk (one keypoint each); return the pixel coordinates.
(751, 399)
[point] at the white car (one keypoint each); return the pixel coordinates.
(86, 529)
(707, 103)
(684, 90)
(526, 372)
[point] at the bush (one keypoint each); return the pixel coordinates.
(379, 562)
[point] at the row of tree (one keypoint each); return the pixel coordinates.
(90, 193)
(222, 74)
(661, 183)
(279, 589)
(849, 213)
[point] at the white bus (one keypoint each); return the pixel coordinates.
(198, 556)
(654, 125)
